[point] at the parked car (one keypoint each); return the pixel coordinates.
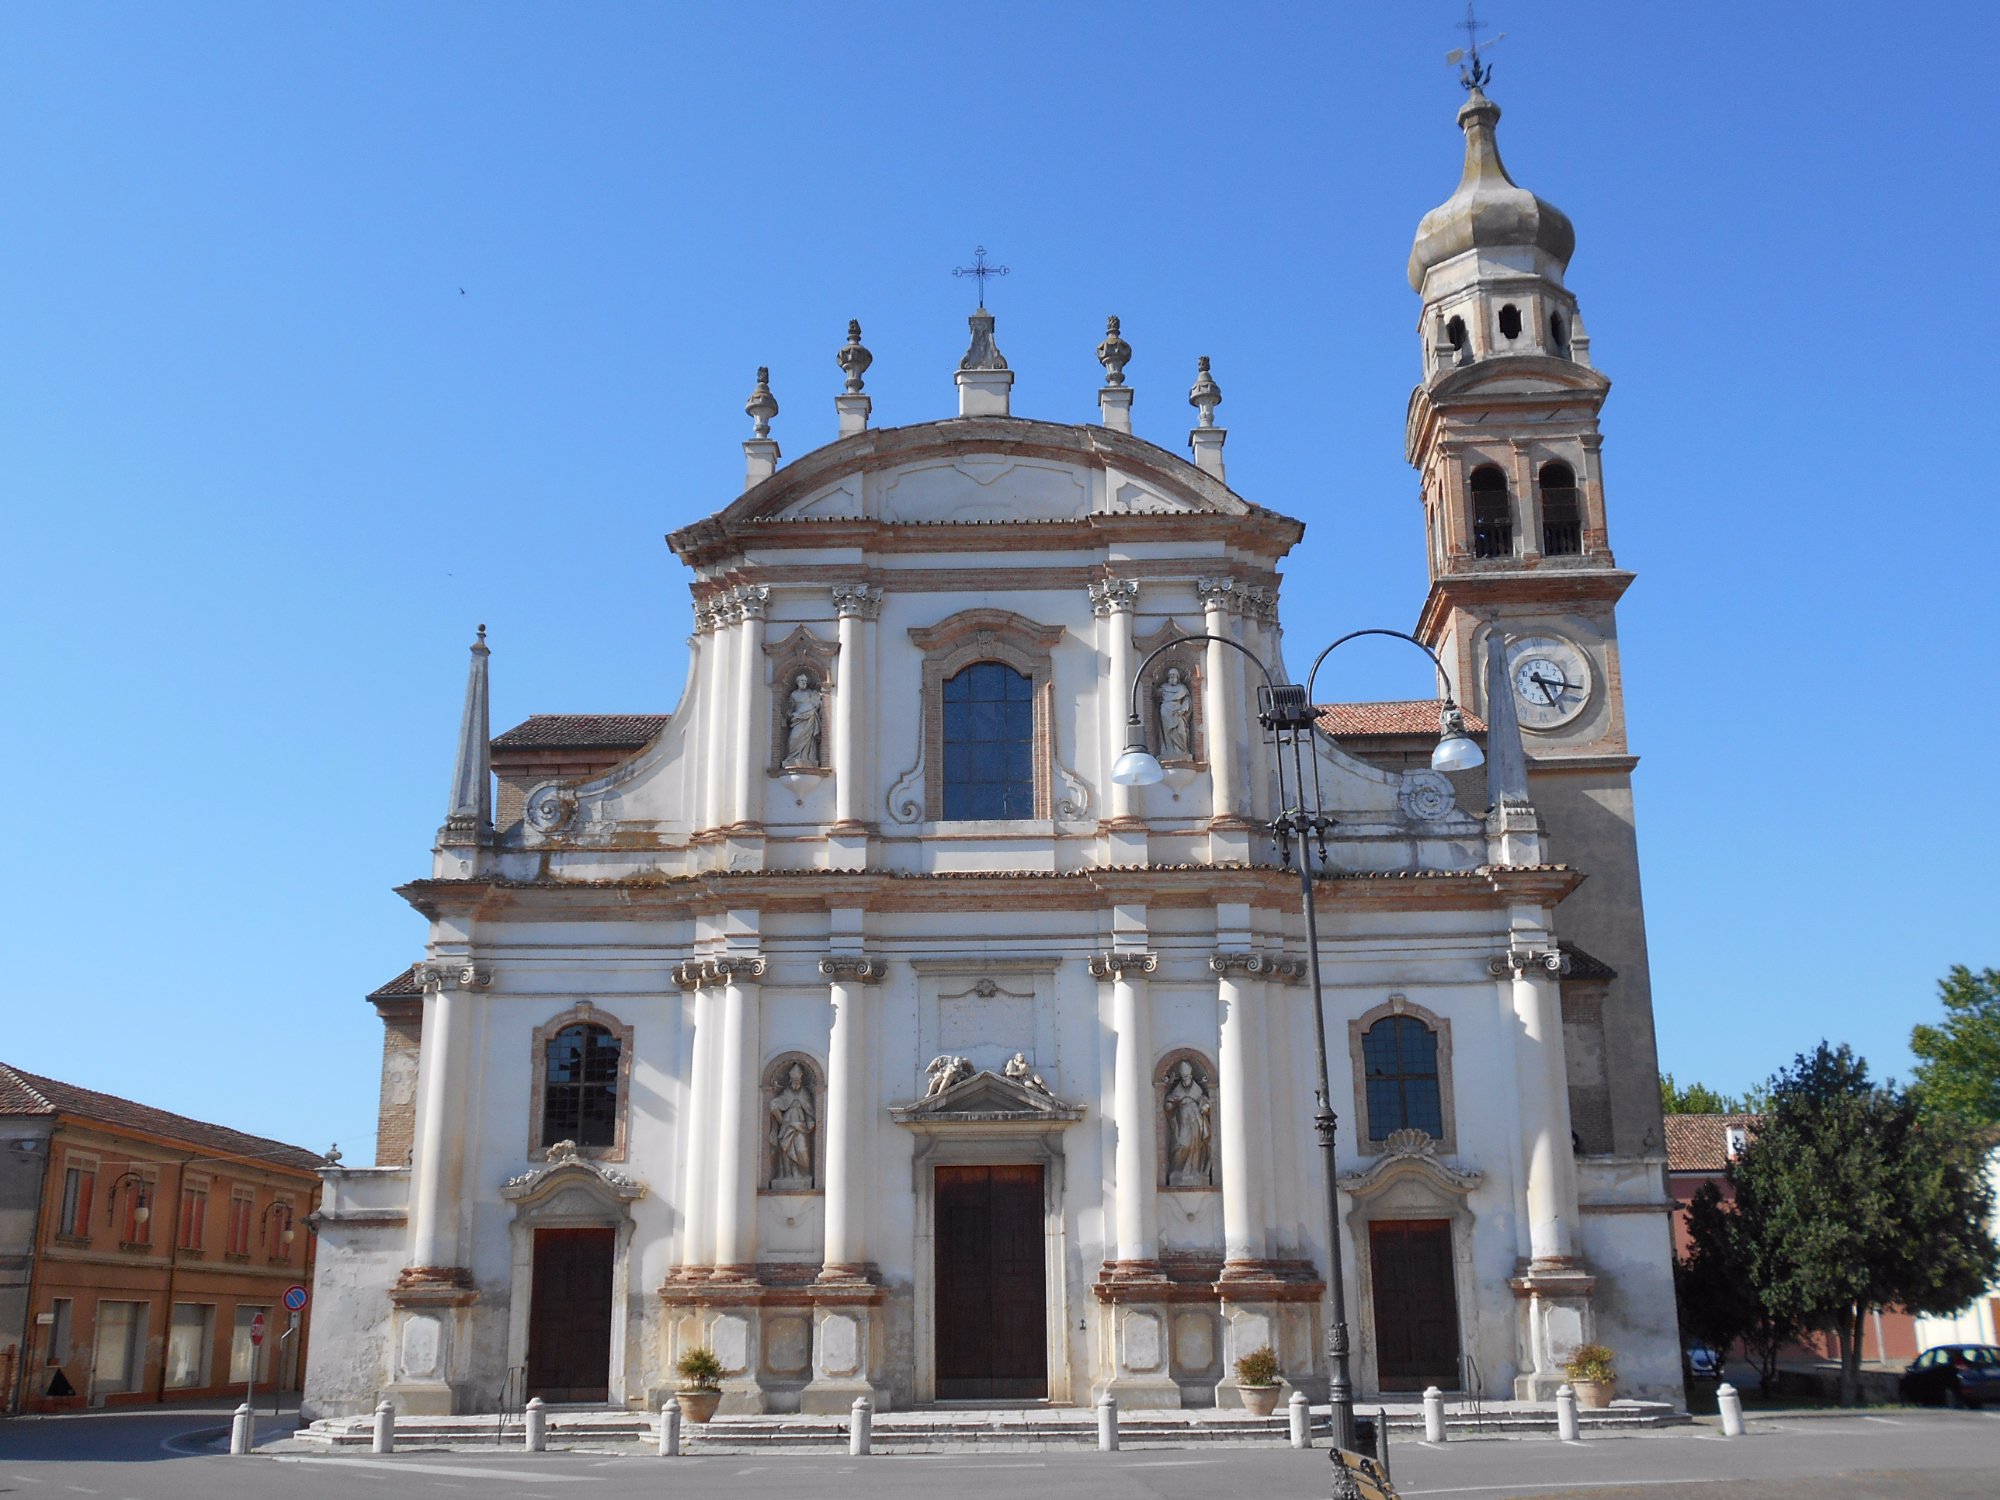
(1704, 1362)
(1953, 1375)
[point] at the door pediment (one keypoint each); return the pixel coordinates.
(986, 1099)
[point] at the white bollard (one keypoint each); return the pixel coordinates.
(385, 1426)
(1730, 1405)
(241, 1430)
(670, 1429)
(1302, 1421)
(1565, 1414)
(535, 1426)
(1433, 1415)
(861, 1431)
(1107, 1424)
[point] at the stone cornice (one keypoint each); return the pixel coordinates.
(1265, 887)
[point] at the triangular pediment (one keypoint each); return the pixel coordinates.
(987, 1098)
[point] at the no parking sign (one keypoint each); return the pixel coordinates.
(295, 1298)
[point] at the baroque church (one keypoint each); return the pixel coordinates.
(851, 1020)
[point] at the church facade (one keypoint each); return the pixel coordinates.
(853, 1022)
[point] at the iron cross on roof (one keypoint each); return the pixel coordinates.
(1472, 73)
(979, 271)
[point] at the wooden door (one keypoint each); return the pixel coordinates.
(992, 1312)
(1416, 1304)
(569, 1317)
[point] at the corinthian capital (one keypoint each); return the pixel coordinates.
(1113, 596)
(1114, 965)
(752, 600)
(1217, 593)
(861, 600)
(852, 968)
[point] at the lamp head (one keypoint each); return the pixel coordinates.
(141, 1214)
(1455, 750)
(1137, 766)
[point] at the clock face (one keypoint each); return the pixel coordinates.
(1551, 678)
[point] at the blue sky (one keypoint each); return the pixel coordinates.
(333, 330)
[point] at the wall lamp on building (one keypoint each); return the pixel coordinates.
(141, 1201)
(283, 1213)
(1299, 830)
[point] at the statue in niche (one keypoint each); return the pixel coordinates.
(805, 710)
(943, 1072)
(792, 1127)
(1190, 1161)
(1176, 717)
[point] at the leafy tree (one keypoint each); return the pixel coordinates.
(1695, 1099)
(1849, 1200)
(1719, 1303)
(1959, 1068)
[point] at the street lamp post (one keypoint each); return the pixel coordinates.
(1299, 830)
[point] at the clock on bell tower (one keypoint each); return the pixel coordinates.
(1504, 431)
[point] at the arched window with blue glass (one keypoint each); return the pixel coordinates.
(989, 743)
(1399, 1055)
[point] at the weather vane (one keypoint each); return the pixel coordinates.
(979, 271)
(1472, 73)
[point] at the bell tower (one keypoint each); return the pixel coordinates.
(1504, 431)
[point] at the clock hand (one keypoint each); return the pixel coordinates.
(1549, 693)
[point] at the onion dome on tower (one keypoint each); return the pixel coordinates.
(1489, 260)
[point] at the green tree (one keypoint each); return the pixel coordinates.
(1695, 1099)
(1852, 1200)
(1958, 1072)
(1715, 1287)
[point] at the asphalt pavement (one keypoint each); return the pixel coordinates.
(165, 1456)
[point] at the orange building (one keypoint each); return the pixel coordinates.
(138, 1247)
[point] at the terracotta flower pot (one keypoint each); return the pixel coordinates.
(1259, 1400)
(1593, 1395)
(697, 1405)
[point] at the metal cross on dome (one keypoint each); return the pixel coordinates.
(1472, 73)
(979, 271)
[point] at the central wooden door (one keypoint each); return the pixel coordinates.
(1416, 1304)
(992, 1311)
(569, 1317)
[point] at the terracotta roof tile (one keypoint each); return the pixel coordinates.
(22, 1092)
(582, 732)
(1700, 1143)
(403, 987)
(1348, 721)
(1584, 965)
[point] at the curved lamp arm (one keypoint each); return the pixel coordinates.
(1455, 748)
(1444, 678)
(1136, 764)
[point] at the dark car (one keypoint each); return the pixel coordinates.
(1704, 1362)
(1953, 1375)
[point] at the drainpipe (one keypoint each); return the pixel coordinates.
(173, 1265)
(24, 1349)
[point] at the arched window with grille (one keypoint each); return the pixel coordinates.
(989, 743)
(580, 1086)
(1399, 1056)
(1562, 517)
(1492, 513)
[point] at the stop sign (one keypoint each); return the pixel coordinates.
(257, 1330)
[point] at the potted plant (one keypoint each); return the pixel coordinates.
(1257, 1381)
(701, 1382)
(1591, 1375)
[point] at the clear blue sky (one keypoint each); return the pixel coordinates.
(265, 466)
